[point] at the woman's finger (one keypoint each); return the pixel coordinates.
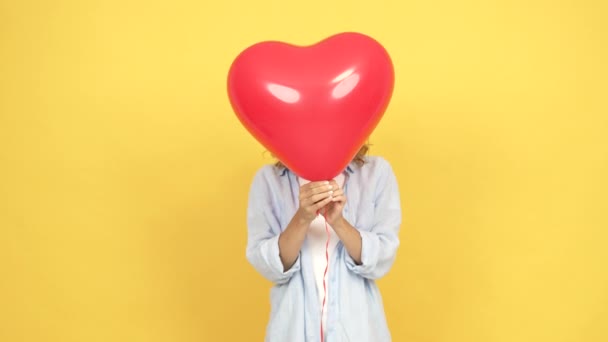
(339, 199)
(322, 203)
(314, 185)
(319, 197)
(338, 192)
(318, 190)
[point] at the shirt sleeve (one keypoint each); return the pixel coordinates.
(379, 245)
(263, 232)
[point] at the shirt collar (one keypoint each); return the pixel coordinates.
(283, 170)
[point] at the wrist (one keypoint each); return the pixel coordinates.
(302, 219)
(340, 223)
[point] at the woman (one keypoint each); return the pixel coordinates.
(287, 239)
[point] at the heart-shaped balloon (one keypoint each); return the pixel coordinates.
(312, 107)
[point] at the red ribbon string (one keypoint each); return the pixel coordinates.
(325, 273)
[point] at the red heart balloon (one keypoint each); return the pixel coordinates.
(313, 107)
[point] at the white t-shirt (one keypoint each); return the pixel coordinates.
(317, 238)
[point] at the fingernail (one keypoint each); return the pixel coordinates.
(330, 192)
(326, 182)
(330, 187)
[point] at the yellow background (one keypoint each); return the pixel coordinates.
(124, 173)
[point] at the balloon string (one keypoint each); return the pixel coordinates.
(325, 273)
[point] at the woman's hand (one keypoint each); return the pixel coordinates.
(349, 235)
(313, 197)
(333, 209)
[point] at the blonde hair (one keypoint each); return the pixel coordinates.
(359, 158)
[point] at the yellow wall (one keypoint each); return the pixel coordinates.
(124, 173)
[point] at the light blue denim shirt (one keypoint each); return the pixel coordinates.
(355, 311)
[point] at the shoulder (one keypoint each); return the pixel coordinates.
(377, 171)
(269, 171)
(376, 166)
(267, 177)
